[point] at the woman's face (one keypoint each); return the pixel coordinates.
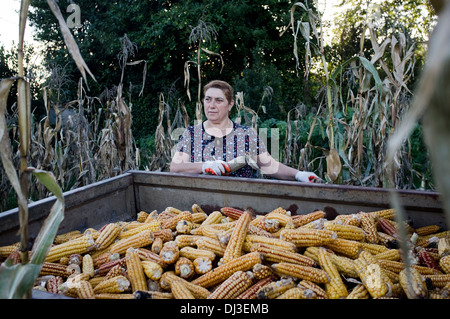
(216, 105)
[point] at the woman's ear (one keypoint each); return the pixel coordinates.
(231, 105)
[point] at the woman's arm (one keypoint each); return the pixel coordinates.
(270, 167)
(181, 164)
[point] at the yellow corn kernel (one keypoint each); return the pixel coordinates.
(234, 246)
(304, 237)
(199, 217)
(373, 248)
(438, 280)
(427, 230)
(335, 287)
(79, 245)
(358, 292)
(298, 292)
(88, 265)
(107, 235)
(114, 285)
(193, 253)
(444, 263)
(207, 243)
(275, 255)
(261, 271)
(141, 239)
(62, 238)
(184, 268)
(233, 286)
(346, 247)
(318, 291)
(180, 291)
(152, 270)
(276, 288)
(301, 220)
(384, 213)
(151, 226)
(390, 254)
(135, 270)
(220, 273)
(313, 274)
(413, 284)
(345, 231)
(369, 225)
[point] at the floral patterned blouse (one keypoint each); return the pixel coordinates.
(202, 147)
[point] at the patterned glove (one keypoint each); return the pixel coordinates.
(216, 167)
(307, 177)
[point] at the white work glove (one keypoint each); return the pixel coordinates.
(307, 177)
(216, 167)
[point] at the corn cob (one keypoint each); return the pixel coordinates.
(145, 254)
(426, 259)
(197, 209)
(108, 234)
(220, 273)
(207, 243)
(157, 245)
(427, 230)
(444, 263)
(117, 270)
(358, 292)
(313, 274)
(170, 252)
(255, 230)
(234, 246)
(212, 230)
(443, 247)
(270, 225)
(151, 216)
(53, 283)
(318, 291)
(304, 237)
(185, 227)
(384, 213)
(193, 253)
(369, 225)
(351, 219)
(298, 292)
(141, 216)
(172, 222)
(115, 285)
(345, 231)
(84, 290)
(272, 254)
(62, 238)
(180, 291)
(173, 210)
(233, 286)
(199, 217)
(275, 288)
(152, 270)
(94, 233)
(150, 226)
(413, 284)
(54, 269)
(426, 240)
(390, 254)
(372, 276)
(135, 271)
(438, 281)
(387, 227)
(186, 240)
(276, 242)
(79, 245)
(344, 265)
(252, 291)
(75, 259)
(335, 287)
(261, 271)
(141, 239)
(346, 247)
(88, 265)
(214, 218)
(373, 248)
(106, 267)
(199, 292)
(231, 212)
(301, 220)
(202, 265)
(184, 268)
(164, 234)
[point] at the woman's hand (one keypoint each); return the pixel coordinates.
(216, 168)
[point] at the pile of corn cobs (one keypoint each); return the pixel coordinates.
(235, 254)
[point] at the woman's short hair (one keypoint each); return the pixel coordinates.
(226, 88)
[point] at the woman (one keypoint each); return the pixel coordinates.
(207, 147)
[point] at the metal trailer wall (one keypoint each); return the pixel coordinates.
(122, 197)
